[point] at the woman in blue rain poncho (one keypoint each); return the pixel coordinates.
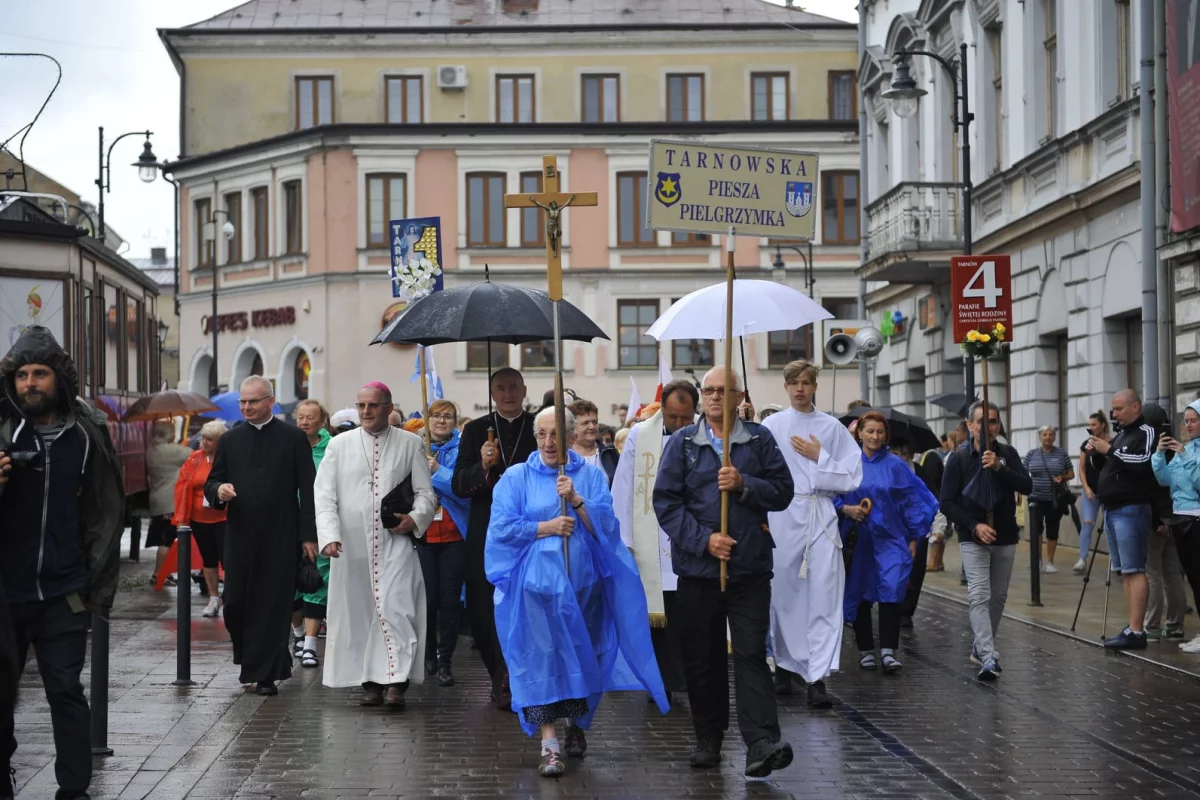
(567, 638)
(901, 512)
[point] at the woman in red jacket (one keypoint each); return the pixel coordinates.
(207, 524)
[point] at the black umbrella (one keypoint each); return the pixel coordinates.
(954, 402)
(913, 430)
(494, 312)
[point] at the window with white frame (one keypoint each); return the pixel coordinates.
(293, 217)
(515, 98)
(995, 43)
(1050, 76)
(387, 193)
(403, 101)
(314, 102)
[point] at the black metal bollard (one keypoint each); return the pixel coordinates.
(183, 647)
(99, 699)
(1035, 559)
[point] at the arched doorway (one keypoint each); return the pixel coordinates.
(295, 371)
(200, 376)
(246, 362)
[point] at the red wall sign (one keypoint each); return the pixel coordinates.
(980, 294)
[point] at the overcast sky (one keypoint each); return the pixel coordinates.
(117, 74)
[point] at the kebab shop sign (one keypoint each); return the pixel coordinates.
(980, 294)
(241, 320)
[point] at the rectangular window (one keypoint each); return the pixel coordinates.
(262, 222)
(601, 98)
(996, 45)
(1050, 43)
(839, 205)
(533, 220)
(204, 247)
(233, 213)
(685, 98)
(680, 239)
(314, 102)
(387, 195)
(537, 355)
(635, 348)
(134, 378)
(691, 352)
(631, 211)
(403, 99)
(769, 93)
(842, 97)
(485, 210)
(1123, 33)
(784, 347)
(514, 98)
(477, 356)
(294, 221)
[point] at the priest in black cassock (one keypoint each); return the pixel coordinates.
(480, 465)
(263, 475)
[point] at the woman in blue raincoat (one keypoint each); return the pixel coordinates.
(901, 512)
(567, 638)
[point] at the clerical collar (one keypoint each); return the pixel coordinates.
(383, 432)
(261, 425)
(510, 419)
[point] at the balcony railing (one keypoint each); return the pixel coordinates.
(915, 216)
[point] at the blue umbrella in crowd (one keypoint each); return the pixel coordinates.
(228, 409)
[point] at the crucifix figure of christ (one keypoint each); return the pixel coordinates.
(552, 202)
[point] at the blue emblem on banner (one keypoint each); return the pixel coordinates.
(799, 198)
(668, 190)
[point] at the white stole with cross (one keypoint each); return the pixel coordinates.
(651, 548)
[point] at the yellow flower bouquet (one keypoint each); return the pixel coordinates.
(984, 344)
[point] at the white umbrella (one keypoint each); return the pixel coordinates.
(758, 307)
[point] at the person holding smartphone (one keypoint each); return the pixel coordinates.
(1177, 466)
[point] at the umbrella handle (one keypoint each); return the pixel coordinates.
(866, 505)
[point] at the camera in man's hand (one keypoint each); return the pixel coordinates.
(25, 458)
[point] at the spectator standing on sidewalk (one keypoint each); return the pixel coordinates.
(1125, 489)
(987, 538)
(1050, 468)
(61, 518)
(1164, 576)
(163, 461)
(192, 509)
(1181, 473)
(263, 476)
(1090, 464)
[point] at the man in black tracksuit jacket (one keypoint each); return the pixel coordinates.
(1126, 490)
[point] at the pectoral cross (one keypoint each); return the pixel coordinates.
(552, 201)
(646, 490)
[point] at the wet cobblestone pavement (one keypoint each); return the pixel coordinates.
(1065, 720)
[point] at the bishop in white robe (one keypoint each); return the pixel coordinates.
(377, 615)
(810, 577)
(633, 502)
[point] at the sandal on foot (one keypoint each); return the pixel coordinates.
(891, 664)
(867, 661)
(308, 658)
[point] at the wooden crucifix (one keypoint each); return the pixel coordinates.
(552, 201)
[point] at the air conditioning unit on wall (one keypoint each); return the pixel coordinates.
(452, 76)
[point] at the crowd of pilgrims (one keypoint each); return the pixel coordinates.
(600, 576)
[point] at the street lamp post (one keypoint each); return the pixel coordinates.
(904, 94)
(809, 278)
(162, 345)
(228, 231)
(147, 166)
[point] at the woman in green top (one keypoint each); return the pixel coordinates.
(313, 419)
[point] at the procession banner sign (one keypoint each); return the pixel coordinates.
(698, 188)
(416, 248)
(980, 294)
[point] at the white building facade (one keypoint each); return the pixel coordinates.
(1053, 90)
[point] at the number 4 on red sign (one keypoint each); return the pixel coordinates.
(989, 291)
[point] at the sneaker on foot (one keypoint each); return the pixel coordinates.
(707, 753)
(213, 608)
(764, 757)
(989, 671)
(1191, 647)
(1172, 633)
(1152, 634)
(891, 663)
(1051, 569)
(308, 658)
(445, 677)
(576, 742)
(1126, 640)
(1080, 566)
(817, 696)
(552, 765)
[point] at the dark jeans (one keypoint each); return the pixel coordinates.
(889, 627)
(1187, 543)
(702, 610)
(916, 578)
(668, 649)
(59, 638)
(1044, 513)
(442, 566)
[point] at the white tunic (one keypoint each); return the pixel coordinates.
(376, 613)
(810, 579)
(633, 496)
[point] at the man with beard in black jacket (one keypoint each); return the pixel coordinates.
(61, 518)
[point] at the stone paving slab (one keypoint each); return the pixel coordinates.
(1065, 720)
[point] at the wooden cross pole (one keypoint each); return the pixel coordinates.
(552, 201)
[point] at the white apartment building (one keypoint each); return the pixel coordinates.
(1053, 89)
